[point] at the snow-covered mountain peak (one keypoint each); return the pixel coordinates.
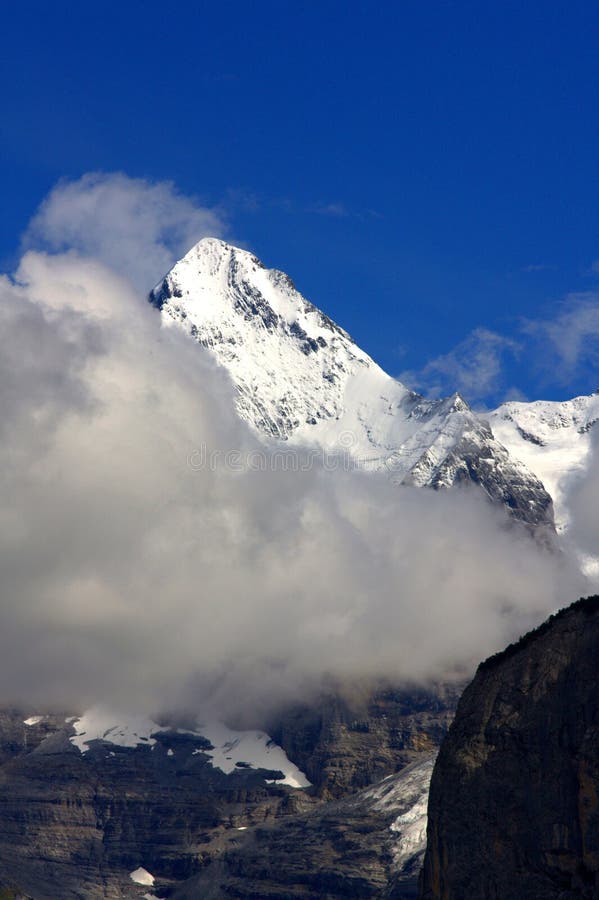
(301, 378)
(290, 362)
(212, 254)
(216, 260)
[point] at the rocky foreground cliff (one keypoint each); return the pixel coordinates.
(514, 800)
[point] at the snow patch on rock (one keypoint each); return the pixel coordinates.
(232, 750)
(142, 876)
(253, 749)
(101, 724)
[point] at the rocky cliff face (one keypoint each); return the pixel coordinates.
(76, 825)
(350, 738)
(514, 800)
(368, 845)
(84, 804)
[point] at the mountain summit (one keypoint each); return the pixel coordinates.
(300, 378)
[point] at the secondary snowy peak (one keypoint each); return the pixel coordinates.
(553, 439)
(300, 378)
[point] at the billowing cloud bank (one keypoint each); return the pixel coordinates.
(139, 228)
(129, 573)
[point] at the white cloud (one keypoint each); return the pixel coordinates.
(336, 210)
(127, 571)
(136, 227)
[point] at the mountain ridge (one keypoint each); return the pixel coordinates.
(301, 379)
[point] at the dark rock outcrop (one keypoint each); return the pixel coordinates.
(514, 800)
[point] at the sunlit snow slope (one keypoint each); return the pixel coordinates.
(552, 439)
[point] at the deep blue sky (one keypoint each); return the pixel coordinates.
(418, 168)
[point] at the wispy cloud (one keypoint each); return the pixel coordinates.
(336, 210)
(248, 201)
(559, 349)
(537, 267)
(474, 367)
(568, 342)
